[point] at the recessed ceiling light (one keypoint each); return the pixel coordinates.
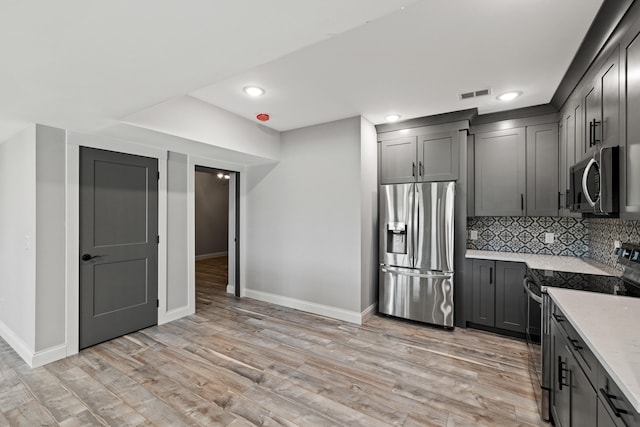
(392, 117)
(253, 90)
(508, 96)
(220, 175)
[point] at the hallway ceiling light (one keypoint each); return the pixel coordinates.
(392, 117)
(220, 175)
(227, 177)
(253, 90)
(508, 96)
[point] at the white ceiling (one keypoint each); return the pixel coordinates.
(84, 65)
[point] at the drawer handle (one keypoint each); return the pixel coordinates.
(559, 318)
(608, 397)
(575, 345)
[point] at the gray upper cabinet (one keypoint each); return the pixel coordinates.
(425, 158)
(630, 133)
(439, 157)
(500, 173)
(542, 170)
(398, 161)
(602, 107)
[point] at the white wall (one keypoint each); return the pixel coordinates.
(305, 221)
(177, 265)
(190, 118)
(18, 241)
(50, 237)
(369, 213)
(212, 213)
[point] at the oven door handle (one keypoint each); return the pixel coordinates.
(585, 188)
(533, 296)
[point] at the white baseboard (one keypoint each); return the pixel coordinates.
(368, 312)
(310, 307)
(175, 314)
(16, 343)
(231, 289)
(49, 355)
(213, 255)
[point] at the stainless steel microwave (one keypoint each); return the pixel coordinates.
(594, 183)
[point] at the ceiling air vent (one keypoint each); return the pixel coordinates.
(475, 94)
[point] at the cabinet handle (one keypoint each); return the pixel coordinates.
(608, 397)
(595, 125)
(522, 202)
(590, 133)
(421, 171)
(413, 168)
(574, 343)
(559, 318)
(491, 275)
(561, 371)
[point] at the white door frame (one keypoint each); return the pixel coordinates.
(72, 202)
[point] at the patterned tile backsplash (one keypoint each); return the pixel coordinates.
(602, 234)
(526, 234)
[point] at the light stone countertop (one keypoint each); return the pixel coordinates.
(548, 262)
(609, 326)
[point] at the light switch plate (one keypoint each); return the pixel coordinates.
(617, 244)
(549, 237)
(473, 235)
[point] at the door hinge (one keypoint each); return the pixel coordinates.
(157, 303)
(158, 239)
(158, 176)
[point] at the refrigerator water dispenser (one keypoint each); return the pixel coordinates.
(397, 237)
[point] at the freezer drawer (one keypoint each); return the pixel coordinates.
(412, 294)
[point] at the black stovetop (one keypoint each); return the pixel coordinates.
(583, 282)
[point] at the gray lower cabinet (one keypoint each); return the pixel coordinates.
(582, 393)
(499, 300)
(423, 158)
(542, 170)
(500, 173)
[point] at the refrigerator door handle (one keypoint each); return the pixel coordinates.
(417, 251)
(432, 275)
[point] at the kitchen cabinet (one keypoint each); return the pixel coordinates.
(422, 158)
(499, 300)
(616, 406)
(569, 132)
(516, 171)
(574, 400)
(542, 170)
(630, 146)
(602, 107)
(484, 293)
(500, 173)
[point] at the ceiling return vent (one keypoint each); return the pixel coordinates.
(475, 94)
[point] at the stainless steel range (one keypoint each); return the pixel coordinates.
(538, 326)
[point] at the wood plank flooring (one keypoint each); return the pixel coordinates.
(240, 362)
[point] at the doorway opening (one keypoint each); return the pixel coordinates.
(216, 234)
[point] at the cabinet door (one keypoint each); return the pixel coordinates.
(593, 118)
(562, 161)
(398, 161)
(561, 377)
(511, 298)
(604, 419)
(584, 400)
(542, 170)
(609, 81)
(484, 292)
(500, 169)
(630, 156)
(439, 157)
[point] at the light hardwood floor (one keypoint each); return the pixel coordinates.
(242, 362)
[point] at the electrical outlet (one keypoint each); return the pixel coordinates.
(617, 244)
(473, 235)
(549, 237)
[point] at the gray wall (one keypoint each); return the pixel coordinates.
(17, 238)
(50, 237)
(177, 260)
(304, 218)
(369, 213)
(212, 213)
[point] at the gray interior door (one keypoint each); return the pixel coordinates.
(118, 244)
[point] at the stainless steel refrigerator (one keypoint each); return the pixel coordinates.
(416, 251)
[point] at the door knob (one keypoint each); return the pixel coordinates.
(86, 257)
